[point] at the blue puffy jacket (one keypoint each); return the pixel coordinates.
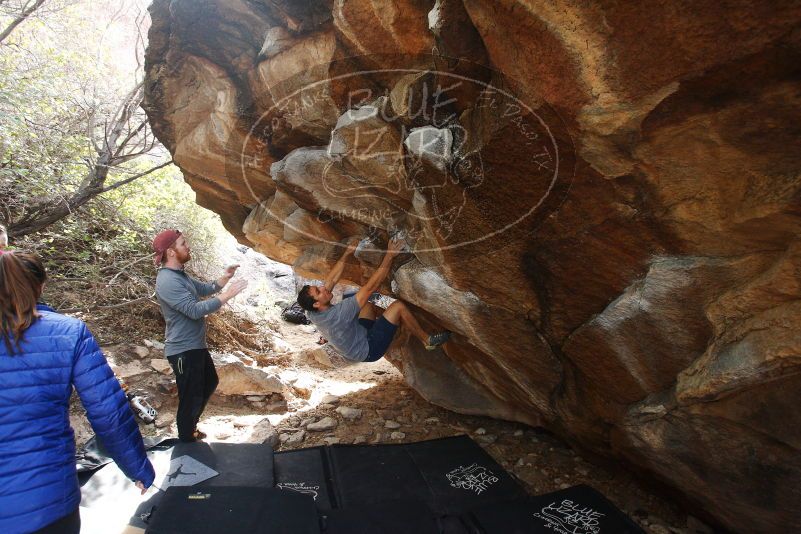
(38, 479)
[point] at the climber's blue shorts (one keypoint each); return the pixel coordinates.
(379, 336)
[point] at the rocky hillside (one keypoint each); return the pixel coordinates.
(602, 201)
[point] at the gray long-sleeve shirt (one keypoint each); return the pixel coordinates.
(179, 296)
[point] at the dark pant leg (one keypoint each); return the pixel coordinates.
(70, 524)
(189, 368)
(211, 380)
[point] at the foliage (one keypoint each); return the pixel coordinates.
(41, 145)
(70, 126)
(163, 200)
(98, 258)
(16, 12)
(68, 76)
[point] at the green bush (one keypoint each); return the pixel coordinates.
(163, 200)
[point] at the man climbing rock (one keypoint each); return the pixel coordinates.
(358, 329)
(185, 340)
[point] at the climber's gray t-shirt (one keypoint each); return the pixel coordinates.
(339, 324)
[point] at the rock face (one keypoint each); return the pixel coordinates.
(602, 202)
(238, 379)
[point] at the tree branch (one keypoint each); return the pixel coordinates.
(130, 136)
(124, 136)
(134, 177)
(26, 12)
(112, 306)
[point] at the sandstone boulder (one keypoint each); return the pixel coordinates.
(349, 413)
(323, 425)
(601, 199)
(161, 365)
(238, 379)
(263, 432)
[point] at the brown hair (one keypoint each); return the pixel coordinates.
(21, 277)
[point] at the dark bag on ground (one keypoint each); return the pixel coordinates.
(295, 314)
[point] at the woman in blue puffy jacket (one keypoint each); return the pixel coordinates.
(42, 356)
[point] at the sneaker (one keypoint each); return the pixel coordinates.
(435, 340)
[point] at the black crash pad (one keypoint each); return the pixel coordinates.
(110, 501)
(576, 510)
(232, 510)
(305, 471)
(239, 464)
(451, 475)
(391, 517)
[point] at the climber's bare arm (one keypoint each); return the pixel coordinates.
(393, 249)
(336, 272)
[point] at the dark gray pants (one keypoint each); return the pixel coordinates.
(197, 379)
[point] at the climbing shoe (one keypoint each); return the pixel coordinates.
(435, 340)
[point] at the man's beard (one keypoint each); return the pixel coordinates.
(184, 258)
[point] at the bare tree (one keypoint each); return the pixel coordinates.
(119, 140)
(71, 153)
(25, 11)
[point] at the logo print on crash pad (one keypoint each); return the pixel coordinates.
(473, 477)
(300, 487)
(571, 518)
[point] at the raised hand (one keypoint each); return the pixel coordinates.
(233, 290)
(230, 271)
(351, 248)
(236, 287)
(395, 246)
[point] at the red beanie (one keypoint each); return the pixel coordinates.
(162, 242)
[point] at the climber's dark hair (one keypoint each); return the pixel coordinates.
(305, 299)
